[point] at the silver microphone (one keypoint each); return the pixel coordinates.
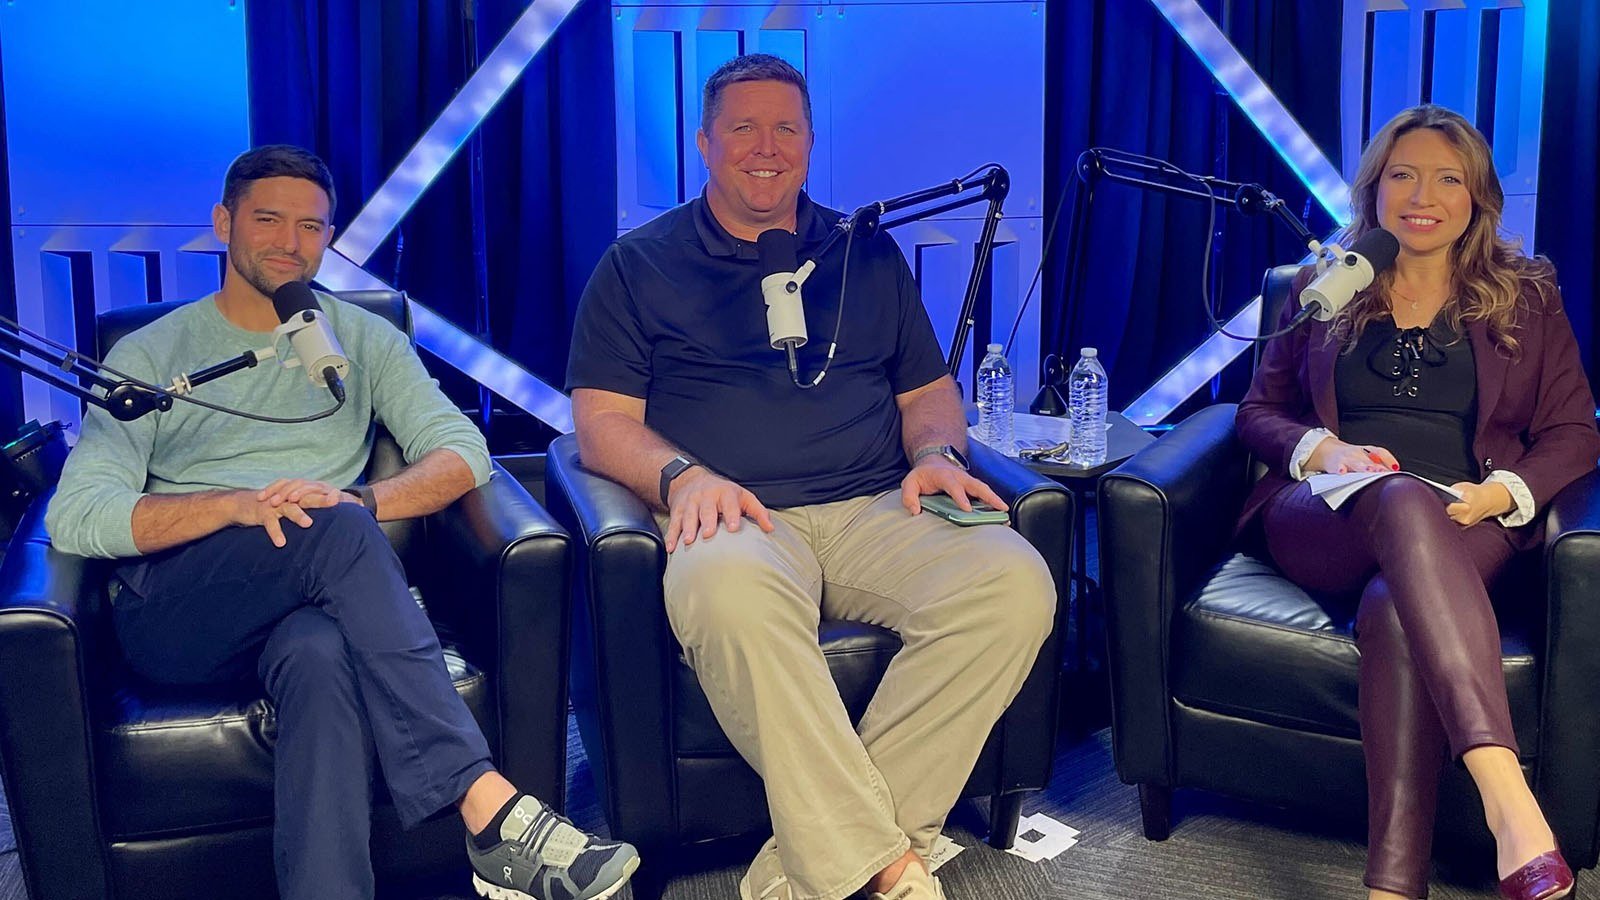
(780, 288)
(313, 342)
(1370, 256)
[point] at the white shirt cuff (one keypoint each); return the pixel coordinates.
(1523, 497)
(1302, 452)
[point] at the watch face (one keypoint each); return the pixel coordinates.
(955, 456)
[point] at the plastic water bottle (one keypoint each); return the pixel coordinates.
(1086, 387)
(996, 397)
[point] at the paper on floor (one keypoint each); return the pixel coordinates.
(1041, 838)
(943, 851)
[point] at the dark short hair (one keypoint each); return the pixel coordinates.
(752, 67)
(273, 161)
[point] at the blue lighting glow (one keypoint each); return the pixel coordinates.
(443, 339)
(1261, 106)
(1258, 103)
(1202, 363)
(465, 112)
(341, 268)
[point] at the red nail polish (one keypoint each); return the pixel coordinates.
(1395, 467)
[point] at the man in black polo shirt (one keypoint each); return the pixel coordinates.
(678, 395)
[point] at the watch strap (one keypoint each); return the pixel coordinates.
(367, 496)
(674, 467)
(945, 450)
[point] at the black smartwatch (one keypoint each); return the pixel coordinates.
(948, 451)
(368, 498)
(674, 467)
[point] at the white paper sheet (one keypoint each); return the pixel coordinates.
(1041, 838)
(1336, 489)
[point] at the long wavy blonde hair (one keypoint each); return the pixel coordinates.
(1488, 271)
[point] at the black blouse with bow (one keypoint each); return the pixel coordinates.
(1413, 391)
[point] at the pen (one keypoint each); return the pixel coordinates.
(1374, 457)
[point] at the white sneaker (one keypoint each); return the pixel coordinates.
(915, 884)
(765, 879)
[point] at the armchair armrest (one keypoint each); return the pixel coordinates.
(1166, 515)
(623, 647)
(1041, 509)
(1568, 778)
(49, 604)
(505, 565)
(1042, 512)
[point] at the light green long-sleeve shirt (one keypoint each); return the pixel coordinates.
(191, 449)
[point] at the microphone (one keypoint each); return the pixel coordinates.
(312, 341)
(786, 317)
(1370, 256)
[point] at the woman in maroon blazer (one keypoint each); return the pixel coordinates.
(1459, 365)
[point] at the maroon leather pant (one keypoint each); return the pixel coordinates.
(1432, 686)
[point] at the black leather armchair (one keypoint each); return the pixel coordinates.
(665, 772)
(120, 788)
(1227, 677)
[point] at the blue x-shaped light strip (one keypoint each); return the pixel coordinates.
(1291, 142)
(341, 269)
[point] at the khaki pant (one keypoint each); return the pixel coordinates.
(972, 606)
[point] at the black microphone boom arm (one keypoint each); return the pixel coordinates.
(125, 398)
(1135, 170)
(989, 183)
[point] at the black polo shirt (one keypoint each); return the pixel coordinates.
(674, 315)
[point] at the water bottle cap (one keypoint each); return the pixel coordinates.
(996, 348)
(1090, 352)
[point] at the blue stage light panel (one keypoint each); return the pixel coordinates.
(112, 108)
(656, 118)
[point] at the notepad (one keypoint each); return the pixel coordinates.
(1336, 489)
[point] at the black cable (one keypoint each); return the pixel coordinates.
(1207, 303)
(974, 173)
(1044, 254)
(273, 420)
(838, 322)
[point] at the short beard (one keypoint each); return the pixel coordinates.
(255, 277)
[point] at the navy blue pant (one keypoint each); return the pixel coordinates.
(352, 664)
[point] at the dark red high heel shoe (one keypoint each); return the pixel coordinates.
(1545, 877)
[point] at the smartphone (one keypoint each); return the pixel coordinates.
(945, 508)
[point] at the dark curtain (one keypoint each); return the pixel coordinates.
(1568, 225)
(358, 81)
(1119, 76)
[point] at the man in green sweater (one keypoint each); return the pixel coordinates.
(246, 548)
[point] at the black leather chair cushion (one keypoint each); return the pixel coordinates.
(1248, 626)
(185, 760)
(857, 657)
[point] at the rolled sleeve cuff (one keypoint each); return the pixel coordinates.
(1523, 497)
(106, 534)
(477, 459)
(1302, 452)
(119, 538)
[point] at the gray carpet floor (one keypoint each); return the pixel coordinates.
(1219, 849)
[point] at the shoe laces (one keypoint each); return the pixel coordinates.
(537, 833)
